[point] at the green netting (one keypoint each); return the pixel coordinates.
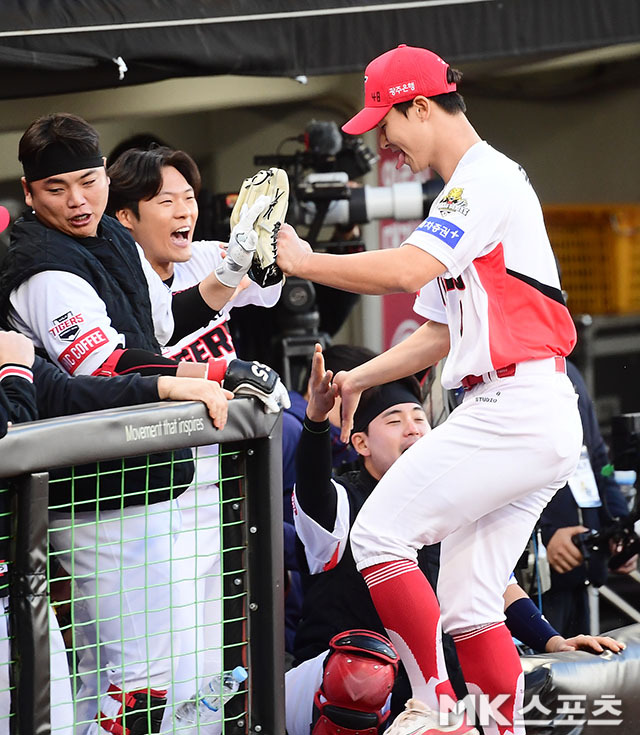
(6, 660)
(149, 594)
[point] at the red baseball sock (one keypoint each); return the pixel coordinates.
(409, 610)
(491, 666)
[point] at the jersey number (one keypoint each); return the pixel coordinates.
(452, 284)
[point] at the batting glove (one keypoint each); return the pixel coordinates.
(242, 245)
(256, 379)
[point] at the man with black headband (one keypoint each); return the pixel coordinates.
(75, 282)
(96, 317)
(389, 420)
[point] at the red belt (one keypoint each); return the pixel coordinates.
(470, 381)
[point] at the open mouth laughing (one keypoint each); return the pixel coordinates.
(181, 237)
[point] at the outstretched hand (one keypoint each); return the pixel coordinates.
(322, 392)
(593, 643)
(242, 245)
(292, 250)
(244, 283)
(350, 396)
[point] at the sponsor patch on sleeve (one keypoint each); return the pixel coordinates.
(84, 346)
(443, 230)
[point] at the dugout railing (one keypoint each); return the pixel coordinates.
(251, 491)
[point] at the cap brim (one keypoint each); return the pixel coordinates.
(365, 120)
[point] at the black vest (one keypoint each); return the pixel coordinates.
(109, 262)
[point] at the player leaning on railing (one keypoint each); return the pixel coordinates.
(75, 282)
(32, 388)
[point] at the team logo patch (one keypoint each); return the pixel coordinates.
(443, 230)
(452, 201)
(66, 326)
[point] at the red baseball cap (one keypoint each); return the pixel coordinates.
(397, 76)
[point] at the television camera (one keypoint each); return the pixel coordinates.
(323, 175)
(323, 172)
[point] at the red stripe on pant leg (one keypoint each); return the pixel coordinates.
(409, 610)
(491, 665)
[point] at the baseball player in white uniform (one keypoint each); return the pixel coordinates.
(37, 389)
(163, 225)
(478, 482)
(78, 286)
(388, 421)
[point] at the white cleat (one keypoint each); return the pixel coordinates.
(418, 719)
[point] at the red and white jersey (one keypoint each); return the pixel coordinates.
(500, 294)
(63, 314)
(323, 549)
(213, 340)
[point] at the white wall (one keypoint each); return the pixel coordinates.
(575, 149)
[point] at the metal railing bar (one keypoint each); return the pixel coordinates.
(126, 432)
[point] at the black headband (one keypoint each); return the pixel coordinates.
(385, 396)
(58, 159)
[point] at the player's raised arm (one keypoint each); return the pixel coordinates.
(404, 269)
(322, 392)
(314, 492)
(428, 344)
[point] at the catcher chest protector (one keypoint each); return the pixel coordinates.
(359, 674)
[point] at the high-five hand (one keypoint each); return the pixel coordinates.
(350, 393)
(292, 250)
(322, 392)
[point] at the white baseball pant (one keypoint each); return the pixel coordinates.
(477, 483)
(120, 561)
(197, 597)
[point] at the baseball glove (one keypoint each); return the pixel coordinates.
(273, 183)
